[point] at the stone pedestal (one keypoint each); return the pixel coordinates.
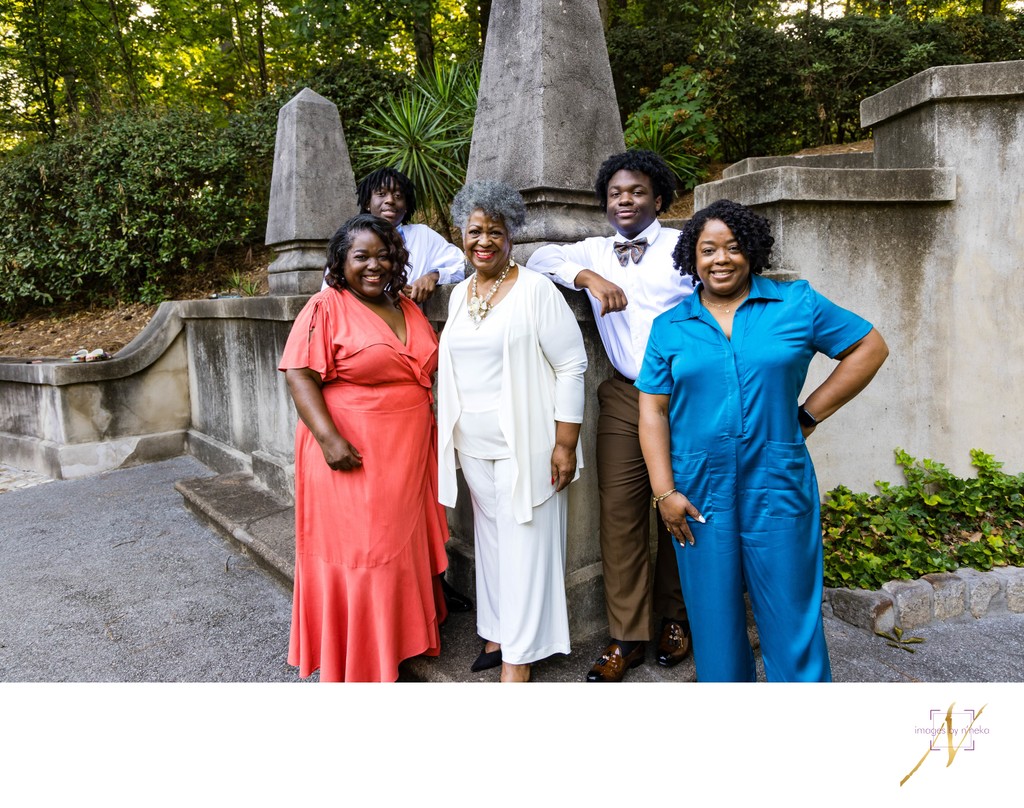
(312, 192)
(547, 116)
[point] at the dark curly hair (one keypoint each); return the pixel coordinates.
(663, 181)
(341, 243)
(751, 230)
(389, 179)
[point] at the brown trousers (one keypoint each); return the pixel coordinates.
(625, 523)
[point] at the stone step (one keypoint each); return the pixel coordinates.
(247, 515)
(263, 527)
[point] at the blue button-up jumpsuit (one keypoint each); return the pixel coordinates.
(739, 456)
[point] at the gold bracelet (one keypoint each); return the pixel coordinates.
(657, 499)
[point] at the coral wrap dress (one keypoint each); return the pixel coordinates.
(369, 543)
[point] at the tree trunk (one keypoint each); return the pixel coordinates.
(127, 59)
(485, 20)
(423, 34)
(261, 51)
(992, 8)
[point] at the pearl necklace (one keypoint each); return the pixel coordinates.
(479, 309)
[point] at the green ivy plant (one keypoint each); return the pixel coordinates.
(935, 522)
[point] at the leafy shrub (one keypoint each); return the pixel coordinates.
(675, 122)
(976, 38)
(127, 207)
(783, 88)
(758, 97)
(936, 522)
(641, 57)
(850, 58)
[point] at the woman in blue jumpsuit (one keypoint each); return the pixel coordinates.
(723, 438)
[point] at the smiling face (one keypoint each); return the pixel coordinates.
(721, 265)
(632, 205)
(367, 265)
(487, 244)
(389, 203)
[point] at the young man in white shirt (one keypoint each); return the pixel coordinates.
(630, 280)
(388, 193)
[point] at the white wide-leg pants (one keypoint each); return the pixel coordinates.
(520, 569)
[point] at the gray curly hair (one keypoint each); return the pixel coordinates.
(497, 199)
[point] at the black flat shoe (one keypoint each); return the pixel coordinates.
(486, 660)
(455, 601)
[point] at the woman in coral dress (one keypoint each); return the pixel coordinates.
(369, 532)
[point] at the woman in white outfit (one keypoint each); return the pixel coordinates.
(510, 405)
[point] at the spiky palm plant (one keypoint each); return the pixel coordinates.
(425, 132)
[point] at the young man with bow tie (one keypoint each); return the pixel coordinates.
(630, 280)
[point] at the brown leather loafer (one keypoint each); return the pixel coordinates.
(674, 645)
(612, 665)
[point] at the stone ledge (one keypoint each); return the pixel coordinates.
(987, 80)
(840, 186)
(840, 160)
(937, 596)
(146, 349)
(284, 308)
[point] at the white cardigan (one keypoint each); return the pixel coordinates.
(541, 382)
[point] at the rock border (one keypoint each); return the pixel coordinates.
(966, 593)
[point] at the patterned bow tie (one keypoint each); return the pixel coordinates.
(624, 250)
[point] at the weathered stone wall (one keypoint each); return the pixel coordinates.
(202, 378)
(242, 418)
(71, 420)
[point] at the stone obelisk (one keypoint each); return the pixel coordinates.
(312, 192)
(546, 115)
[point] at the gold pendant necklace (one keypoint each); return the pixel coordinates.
(479, 309)
(723, 306)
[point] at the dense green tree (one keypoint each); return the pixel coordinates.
(63, 62)
(132, 114)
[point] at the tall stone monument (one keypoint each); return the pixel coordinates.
(546, 119)
(546, 116)
(312, 191)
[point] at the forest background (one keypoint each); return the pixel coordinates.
(137, 138)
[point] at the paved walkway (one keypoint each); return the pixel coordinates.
(12, 479)
(111, 579)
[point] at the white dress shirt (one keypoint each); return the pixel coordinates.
(428, 252)
(652, 287)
